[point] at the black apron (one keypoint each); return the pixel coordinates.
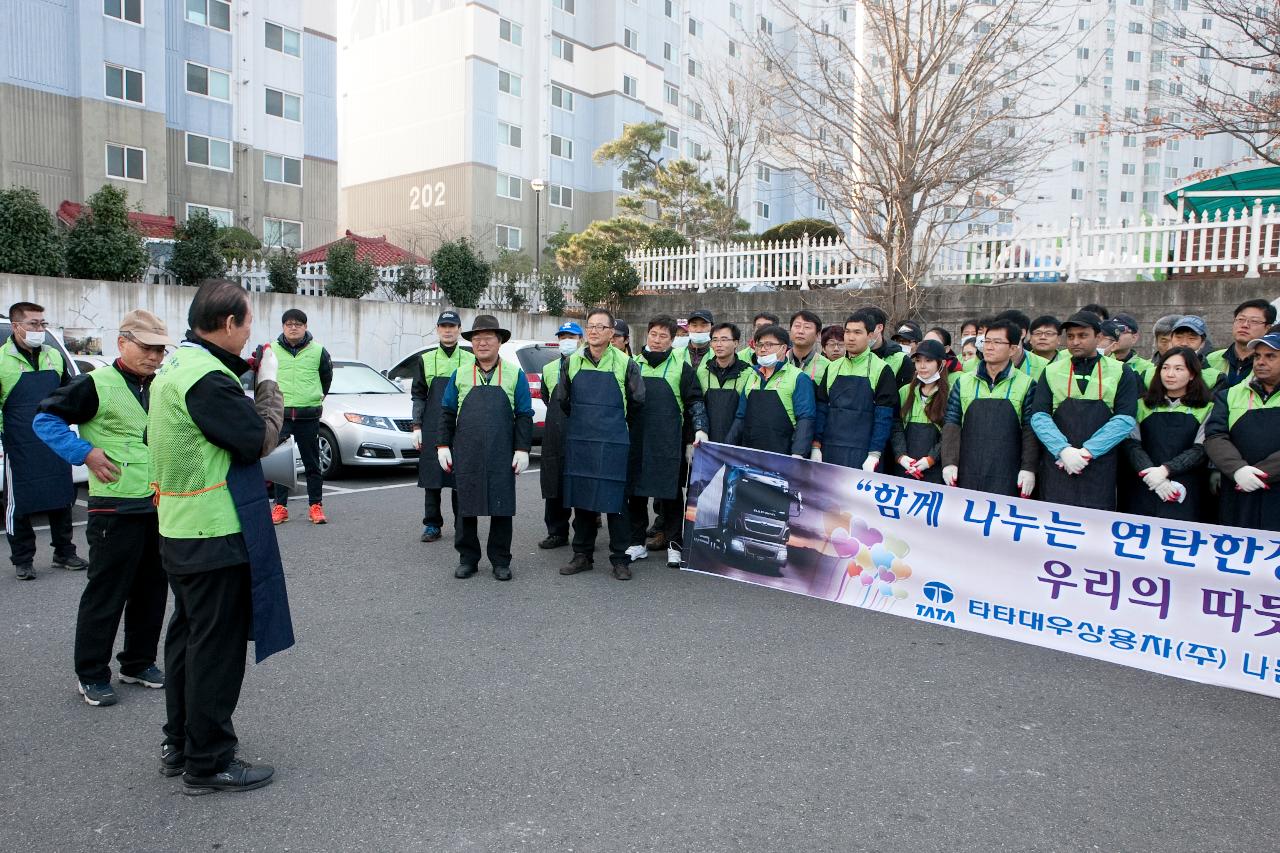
(272, 623)
(596, 443)
(551, 464)
(922, 440)
(990, 446)
(1255, 436)
(430, 474)
(722, 408)
(657, 450)
(851, 415)
(766, 425)
(36, 478)
(1095, 487)
(1167, 434)
(483, 445)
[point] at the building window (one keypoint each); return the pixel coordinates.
(1077, 165)
(511, 32)
(1171, 173)
(1129, 142)
(764, 173)
(283, 105)
(127, 163)
(1080, 109)
(124, 84)
(669, 9)
(124, 10)
(564, 5)
(733, 48)
(209, 82)
(509, 83)
(509, 134)
(284, 39)
(822, 204)
(1132, 86)
(209, 152)
(508, 237)
(629, 86)
(672, 95)
(630, 39)
(559, 196)
(561, 147)
(673, 138)
(562, 98)
(1197, 162)
(220, 215)
(667, 51)
(1135, 27)
(1102, 197)
(693, 150)
(766, 25)
(1126, 197)
(1128, 168)
(279, 169)
(695, 27)
(693, 67)
(282, 232)
(210, 13)
(1077, 194)
(562, 48)
(509, 186)
(1133, 56)
(762, 210)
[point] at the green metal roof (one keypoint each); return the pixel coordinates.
(1251, 179)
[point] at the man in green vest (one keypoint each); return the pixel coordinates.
(1251, 319)
(1043, 338)
(1023, 357)
(555, 515)
(776, 410)
(306, 372)
(37, 480)
(431, 377)
(806, 349)
(110, 405)
(217, 542)
(761, 321)
(904, 369)
(1122, 331)
(1242, 439)
(1192, 332)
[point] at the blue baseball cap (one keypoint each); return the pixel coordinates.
(1271, 340)
(569, 328)
(1194, 323)
(448, 318)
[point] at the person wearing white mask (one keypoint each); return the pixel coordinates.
(916, 437)
(776, 411)
(699, 325)
(551, 470)
(37, 480)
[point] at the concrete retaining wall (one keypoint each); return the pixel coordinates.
(380, 333)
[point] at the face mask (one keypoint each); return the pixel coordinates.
(568, 346)
(700, 338)
(1101, 350)
(929, 380)
(35, 340)
(768, 360)
(908, 348)
(982, 339)
(681, 343)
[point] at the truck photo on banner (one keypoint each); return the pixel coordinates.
(1195, 601)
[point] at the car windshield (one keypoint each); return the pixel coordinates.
(533, 359)
(352, 377)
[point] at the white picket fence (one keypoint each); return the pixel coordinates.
(1246, 244)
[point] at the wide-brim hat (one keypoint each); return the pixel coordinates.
(487, 323)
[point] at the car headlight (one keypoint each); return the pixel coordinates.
(375, 421)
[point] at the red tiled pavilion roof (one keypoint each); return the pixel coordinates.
(151, 225)
(374, 249)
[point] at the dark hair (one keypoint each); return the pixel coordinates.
(942, 333)
(985, 323)
(806, 315)
(1268, 310)
(776, 331)
(879, 317)
(1100, 310)
(869, 318)
(972, 321)
(601, 310)
(765, 315)
(1046, 320)
(18, 310)
(1197, 393)
(1023, 321)
(733, 330)
(936, 409)
(663, 321)
(294, 314)
(1011, 329)
(832, 333)
(215, 301)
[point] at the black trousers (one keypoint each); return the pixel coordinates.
(204, 657)
(307, 435)
(431, 513)
(669, 518)
(466, 538)
(584, 535)
(22, 541)
(556, 517)
(124, 578)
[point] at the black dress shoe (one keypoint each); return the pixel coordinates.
(502, 573)
(239, 776)
(553, 542)
(25, 572)
(464, 571)
(172, 760)
(73, 563)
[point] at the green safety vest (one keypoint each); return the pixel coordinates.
(1141, 366)
(13, 364)
(710, 382)
(435, 364)
(1218, 361)
(613, 361)
(505, 373)
(894, 360)
(1064, 385)
(782, 383)
(1199, 412)
(1032, 365)
(1242, 399)
(299, 376)
(817, 366)
(550, 376)
(119, 430)
(746, 354)
(1014, 387)
(914, 415)
(665, 373)
(1211, 376)
(868, 364)
(190, 472)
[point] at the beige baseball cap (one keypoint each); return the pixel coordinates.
(145, 328)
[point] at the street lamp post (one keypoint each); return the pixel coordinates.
(538, 185)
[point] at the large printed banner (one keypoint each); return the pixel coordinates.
(1195, 601)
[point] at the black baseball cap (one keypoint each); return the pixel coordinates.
(1086, 319)
(449, 318)
(908, 332)
(620, 327)
(703, 314)
(1118, 325)
(930, 349)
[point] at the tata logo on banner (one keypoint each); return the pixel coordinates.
(938, 594)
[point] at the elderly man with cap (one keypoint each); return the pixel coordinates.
(431, 375)
(37, 480)
(125, 575)
(1191, 332)
(486, 430)
(1250, 320)
(1242, 439)
(1082, 409)
(1123, 332)
(551, 468)
(699, 326)
(621, 336)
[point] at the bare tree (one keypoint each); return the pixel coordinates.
(733, 108)
(926, 105)
(1224, 78)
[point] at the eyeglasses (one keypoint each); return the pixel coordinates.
(598, 327)
(1249, 321)
(722, 340)
(990, 341)
(768, 345)
(294, 324)
(34, 325)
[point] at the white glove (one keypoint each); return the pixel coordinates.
(869, 464)
(688, 454)
(797, 456)
(268, 367)
(1026, 483)
(924, 463)
(700, 436)
(1153, 477)
(519, 461)
(906, 463)
(1168, 491)
(815, 455)
(417, 438)
(1073, 460)
(1250, 479)
(445, 455)
(950, 474)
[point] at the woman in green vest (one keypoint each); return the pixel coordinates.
(1166, 449)
(916, 437)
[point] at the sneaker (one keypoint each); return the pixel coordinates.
(240, 775)
(430, 533)
(279, 514)
(673, 557)
(553, 542)
(637, 552)
(25, 572)
(150, 677)
(72, 563)
(172, 760)
(656, 542)
(579, 563)
(464, 570)
(502, 573)
(622, 571)
(317, 514)
(97, 694)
